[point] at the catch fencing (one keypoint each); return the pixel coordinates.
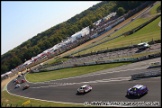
(120, 60)
(146, 75)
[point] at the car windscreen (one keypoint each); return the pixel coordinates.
(133, 89)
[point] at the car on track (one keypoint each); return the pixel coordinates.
(22, 73)
(26, 86)
(17, 86)
(23, 81)
(14, 80)
(17, 82)
(19, 75)
(84, 89)
(137, 90)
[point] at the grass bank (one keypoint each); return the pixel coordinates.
(147, 33)
(68, 72)
(128, 27)
(8, 100)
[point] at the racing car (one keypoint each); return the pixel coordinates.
(19, 75)
(23, 81)
(26, 86)
(17, 82)
(84, 89)
(17, 86)
(14, 80)
(137, 90)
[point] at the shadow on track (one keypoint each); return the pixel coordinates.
(135, 97)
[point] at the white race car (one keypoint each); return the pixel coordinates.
(17, 86)
(84, 89)
(14, 80)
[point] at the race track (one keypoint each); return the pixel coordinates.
(108, 85)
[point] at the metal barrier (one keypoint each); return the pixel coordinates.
(94, 62)
(155, 64)
(146, 75)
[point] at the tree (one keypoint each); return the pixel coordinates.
(15, 61)
(158, 9)
(120, 11)
(4, 68)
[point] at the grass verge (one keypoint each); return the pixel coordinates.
(8, 100)
(154, 8)
(69, 72)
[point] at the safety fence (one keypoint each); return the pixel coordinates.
(155, 64)
(146, 75)
(120, 60)
(98, 56)
(114, 49)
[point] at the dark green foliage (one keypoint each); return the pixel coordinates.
(159, 9)
(57, 33)
(120, 11)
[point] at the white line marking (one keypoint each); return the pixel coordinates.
(96, 81)
(47, 100)
(93, 74)
(159, 24)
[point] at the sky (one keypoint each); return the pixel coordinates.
(22, 20)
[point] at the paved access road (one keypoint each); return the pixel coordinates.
(108, 86)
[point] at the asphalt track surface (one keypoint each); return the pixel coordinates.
(108, 86)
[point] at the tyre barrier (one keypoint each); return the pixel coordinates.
(146, 75)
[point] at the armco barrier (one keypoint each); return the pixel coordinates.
(114, 49)
(155, 64)
(89, 63)
(137, 76)
(100, 62)
(153, 74)
(121, 60)
(146, 75)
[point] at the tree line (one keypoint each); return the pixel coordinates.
(59, 32)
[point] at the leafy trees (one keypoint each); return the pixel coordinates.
(120, 11)
(15, 61)
(4, 68)
(159, 9)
